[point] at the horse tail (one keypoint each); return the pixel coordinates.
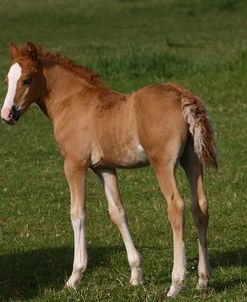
(195, 114)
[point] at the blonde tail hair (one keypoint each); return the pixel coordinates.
(195, 114)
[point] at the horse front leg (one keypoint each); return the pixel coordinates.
(76, 177)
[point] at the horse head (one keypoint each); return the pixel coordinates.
(23, 82)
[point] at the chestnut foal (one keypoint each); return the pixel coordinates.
(97, 128)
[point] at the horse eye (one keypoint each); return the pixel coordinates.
(27, 81)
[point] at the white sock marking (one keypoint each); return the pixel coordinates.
(132, 254)
(80, 252)
(80, 243)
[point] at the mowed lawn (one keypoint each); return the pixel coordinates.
(200, 44)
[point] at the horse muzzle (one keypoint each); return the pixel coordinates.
(12, 115)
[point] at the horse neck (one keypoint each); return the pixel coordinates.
(60, 84)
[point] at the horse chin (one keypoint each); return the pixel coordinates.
(11, 122)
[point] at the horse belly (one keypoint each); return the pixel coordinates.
(125, 157)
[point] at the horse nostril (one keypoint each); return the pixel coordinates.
(14, 114)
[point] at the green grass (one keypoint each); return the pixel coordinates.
(200, 44)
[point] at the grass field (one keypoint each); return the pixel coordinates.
(200, 44)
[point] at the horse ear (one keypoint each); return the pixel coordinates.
(13, 50)
(32, 51)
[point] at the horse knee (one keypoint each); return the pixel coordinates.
(77, 212)
(176, 214)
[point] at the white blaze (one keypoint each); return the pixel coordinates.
(13, 76)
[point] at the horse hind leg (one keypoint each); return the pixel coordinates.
(199, 210)
(165, 171)
(118, 217)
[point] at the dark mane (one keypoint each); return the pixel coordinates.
(90, 76)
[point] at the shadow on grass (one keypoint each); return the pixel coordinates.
(225, 259)
(27, 275)
(229, 258)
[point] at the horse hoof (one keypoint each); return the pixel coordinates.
(202, 285)
(136, 281)
(136, 277)
(202, 282)
(175, 289)
(70, 285)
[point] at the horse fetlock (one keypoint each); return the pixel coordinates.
(80, 268)
(179, 273)
(203, 281)
(136, 272)
(76, 275)
(204, 270)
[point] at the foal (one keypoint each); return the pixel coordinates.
(98, 128)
